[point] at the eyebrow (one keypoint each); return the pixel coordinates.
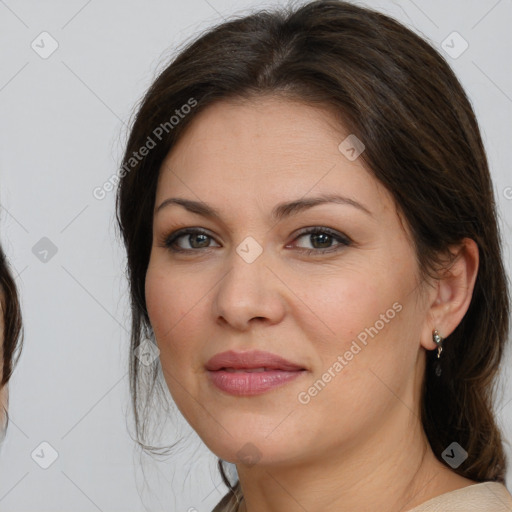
(279, 212)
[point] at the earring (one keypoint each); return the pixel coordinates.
(439, 342)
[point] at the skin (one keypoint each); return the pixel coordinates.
(359, 443)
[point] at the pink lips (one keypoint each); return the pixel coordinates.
(250, 373)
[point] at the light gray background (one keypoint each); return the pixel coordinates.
(62, 127)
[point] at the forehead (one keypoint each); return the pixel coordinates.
(265, 127)
(267, 149)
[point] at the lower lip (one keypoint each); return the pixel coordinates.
(251, 383)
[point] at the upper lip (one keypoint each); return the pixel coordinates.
(250, 359)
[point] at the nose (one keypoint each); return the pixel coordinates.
(249, 293)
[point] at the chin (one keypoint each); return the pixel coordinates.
(247, 447)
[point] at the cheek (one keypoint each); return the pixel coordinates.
(343, 301)
(366, 310)
(171, 304)
(159, 298)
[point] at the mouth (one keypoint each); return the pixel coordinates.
(251, 373)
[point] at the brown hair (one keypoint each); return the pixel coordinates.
(12, 339)
(399, 96)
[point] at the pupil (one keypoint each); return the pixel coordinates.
(205, 240)
(326, 239)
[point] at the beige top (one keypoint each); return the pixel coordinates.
(482, 497)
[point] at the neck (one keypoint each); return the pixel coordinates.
(394, 469)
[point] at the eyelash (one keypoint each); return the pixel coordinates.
(343, 240)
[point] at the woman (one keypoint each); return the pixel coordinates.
(312, 245)
(10, 328)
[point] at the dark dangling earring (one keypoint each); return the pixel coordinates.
(439, 342)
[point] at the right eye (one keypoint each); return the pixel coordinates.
(196, 238)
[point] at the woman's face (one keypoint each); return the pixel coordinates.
(345, 305)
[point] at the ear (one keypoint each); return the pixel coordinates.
(451, 294)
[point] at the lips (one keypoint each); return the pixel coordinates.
(244, 374)
(251, 361)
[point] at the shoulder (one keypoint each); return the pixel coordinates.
(481, 497)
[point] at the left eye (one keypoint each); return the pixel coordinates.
(322, 239)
